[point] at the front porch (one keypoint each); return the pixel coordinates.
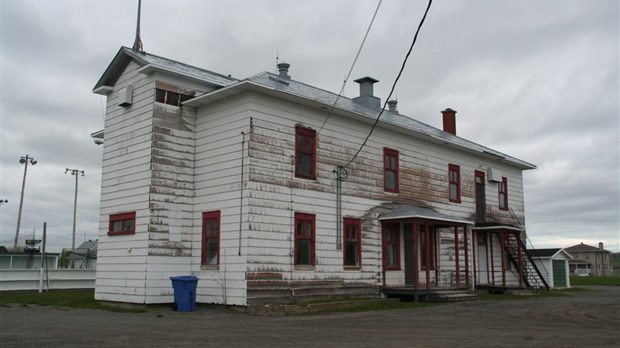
(424, 251)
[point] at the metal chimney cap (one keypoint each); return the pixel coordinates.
(366, 79)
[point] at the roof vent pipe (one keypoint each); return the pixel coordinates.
(283, 71)
(367, 97)
(449, 121)
(392, 105)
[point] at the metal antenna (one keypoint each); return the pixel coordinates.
(137, 44)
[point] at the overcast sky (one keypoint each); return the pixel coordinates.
(538, 80)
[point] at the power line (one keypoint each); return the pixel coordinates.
(346, 79)
(415, 37)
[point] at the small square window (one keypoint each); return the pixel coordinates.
(121, 224)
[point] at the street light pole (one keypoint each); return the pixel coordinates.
(23, 160)
(74, 172)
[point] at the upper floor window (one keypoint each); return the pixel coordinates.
(124, 223)
(305, 153)
(390, 170)
(503, 193)
(454, 182)
(352, 242)
(391, 246)
(210, 255)
(170, 98)
(304, 239)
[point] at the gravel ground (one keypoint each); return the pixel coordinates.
(589, 317)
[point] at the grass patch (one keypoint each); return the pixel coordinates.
(83, 299)
(595, 280)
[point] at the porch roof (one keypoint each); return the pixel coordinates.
(413, 212)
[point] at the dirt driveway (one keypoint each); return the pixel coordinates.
(583, 319)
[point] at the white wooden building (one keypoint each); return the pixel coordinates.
(237, 182)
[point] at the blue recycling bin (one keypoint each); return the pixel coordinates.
(184, 292)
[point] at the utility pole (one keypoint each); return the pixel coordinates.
(75, 172)
(23, 160)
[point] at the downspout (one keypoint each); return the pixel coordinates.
(241, 191)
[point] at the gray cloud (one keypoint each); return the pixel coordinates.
(537, 80)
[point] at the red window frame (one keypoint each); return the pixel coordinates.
(431, 248)
(390, 165)
(302, 222)
(502, 193)
(454, 182)
(211, 231)
(305, 145)
(124, 218)
(352, 235)
(391, 241)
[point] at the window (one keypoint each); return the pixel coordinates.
(352, 242)
(390, 170)
(124, 223)
(454, 181)
(431, 249)
(170, 98)
(305, 153)
(210, 239)
(503, 193)
(391, 246)
(304, 239)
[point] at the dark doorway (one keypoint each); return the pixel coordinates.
(481, 204)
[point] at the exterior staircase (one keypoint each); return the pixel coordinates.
(532, 277)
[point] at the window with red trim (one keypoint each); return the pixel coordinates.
(304, 239)
(305, 153)
(431, 249)
(391, 246)
(390, 170)
(210, 255)
(454, 182)
(124, 223)
(352, 242)
(503, 193)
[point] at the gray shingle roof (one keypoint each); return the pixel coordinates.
(302, 90)
(411, 212)
(125, 54)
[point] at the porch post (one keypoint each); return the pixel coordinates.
(415, 254)
(503, 256)
(465, 238)
(474, 246)
(456, 256)
(427, 256)
(490, 243)
(519, 263)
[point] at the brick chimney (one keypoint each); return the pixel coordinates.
(367, 97)
(283, 71)
(600, 245)
(449, 121)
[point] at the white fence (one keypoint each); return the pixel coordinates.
(28, 279)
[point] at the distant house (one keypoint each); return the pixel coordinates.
(554, 265)
(252, 186)
(590, 259)
(85, 255)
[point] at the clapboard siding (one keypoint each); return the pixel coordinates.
(217, 185)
